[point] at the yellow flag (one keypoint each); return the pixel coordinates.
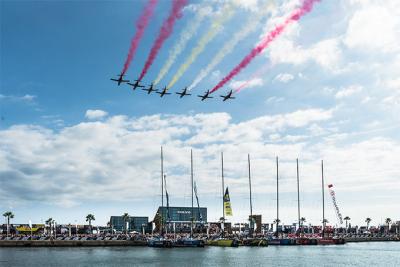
(227, 203)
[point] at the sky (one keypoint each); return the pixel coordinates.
(72, 142)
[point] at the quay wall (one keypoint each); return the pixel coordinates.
(70, 243)
(371, 239)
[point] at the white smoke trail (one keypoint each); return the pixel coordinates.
(186, 35)
(248, 28)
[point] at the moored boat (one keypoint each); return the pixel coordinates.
(156, 242)
(188, 242)
(223, 242)
(255, 242)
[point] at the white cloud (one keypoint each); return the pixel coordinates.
(284, 77)
(118, 158)
(374, 27)
(249, 83)
(348, 91)
(93, 114)
(24, 98)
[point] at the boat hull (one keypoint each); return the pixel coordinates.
(223, 243)
(255, 242)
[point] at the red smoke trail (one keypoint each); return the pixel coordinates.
(165, 32)
(141, 25)
(271, 36)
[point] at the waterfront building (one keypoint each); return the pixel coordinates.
(180, 218)
(135, 223)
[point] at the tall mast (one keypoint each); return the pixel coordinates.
(223, 187)
(191, 175)
(162, 190)
(298, 193)
(277, 196)
(323, 199)
(251, 203)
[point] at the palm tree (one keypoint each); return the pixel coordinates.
(89, 218)
(9, 215)
(388, 221)
(49, 222)
(347, 218)
(277, 221)
(302, 221)
(125, 217)
(368, 220)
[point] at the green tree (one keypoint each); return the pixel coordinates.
(90, 218)
(302, 221)
(9, 215)
(125, 217)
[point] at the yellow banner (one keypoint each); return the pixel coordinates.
(227, 203)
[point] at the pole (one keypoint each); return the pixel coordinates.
(162, 191)
(277, 196)
(223, 187)
(251, 203)
(323, 199)
(298, 193)
(191, 181)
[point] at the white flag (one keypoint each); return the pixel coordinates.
(30, 224)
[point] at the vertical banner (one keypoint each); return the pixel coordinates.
(227, 203)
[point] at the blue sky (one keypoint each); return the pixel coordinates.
(72, 142)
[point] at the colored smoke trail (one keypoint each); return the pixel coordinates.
(165, 32)
(186, 35)
(253, 77)
(141, 25)
(215, 28)
(249, 27)
(271, 36)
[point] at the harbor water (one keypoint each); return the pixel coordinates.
(351, 254)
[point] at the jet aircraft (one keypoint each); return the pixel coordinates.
(163, 92)
(150, 89)
(120, 79)
(205, 96)
(228, 96)
(183, 93)
(136, 84)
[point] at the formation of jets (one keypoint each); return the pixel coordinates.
(164, 91)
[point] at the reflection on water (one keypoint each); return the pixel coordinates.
(362, 254)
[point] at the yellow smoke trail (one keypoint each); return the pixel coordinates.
(227, 48)
(226, 13)
(186, 35)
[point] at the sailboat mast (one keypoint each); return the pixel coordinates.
(298, 192)
(191, 180)
(323, 199)
(223, 187)
(277, 196)
(251, 202)
(162, 190)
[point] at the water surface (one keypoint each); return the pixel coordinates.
(352, 254)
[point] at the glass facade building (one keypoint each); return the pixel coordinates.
(183, 214)
(134, 224)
